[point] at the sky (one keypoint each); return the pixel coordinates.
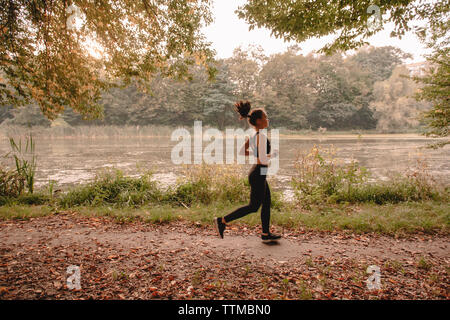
(228, 32)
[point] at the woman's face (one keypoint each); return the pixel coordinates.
(262, 122)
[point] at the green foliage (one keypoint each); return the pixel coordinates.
(36, 198)
(320, 179)
(277, 201)
(244, 68)
(397, 189)
(333, 115)
(210, 183)
(393, 105)
(379, 61)
(331, 92)
(11, 183)
(351, 20)
(218, 99)
(319, 176)
(25, 160)
(112, 187)
(299, 92)
(46, 60)
(199, 186)
(286, 88)
(190, 192)
(437, 90)
(424, 264)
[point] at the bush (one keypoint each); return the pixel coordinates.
(11, 183)
(191, 192)
(392, 191)
(319, 176)
(277, 200)
(36, 198)
(201, 184)
(320, 179)
(206, 183)
(111, 186)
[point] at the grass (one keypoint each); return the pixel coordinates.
(305, 291)
(25, 160)
(391, 219)
(112, 187)
(424, 264)
(35, 198)
(24, 212)
(406, 217)
(321, 177)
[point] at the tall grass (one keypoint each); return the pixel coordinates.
(110, 186)
(322, 178)
(11, 183)
(199, 184)
(25, 160)
(206, 183)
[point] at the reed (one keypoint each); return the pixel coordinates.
(25, 159)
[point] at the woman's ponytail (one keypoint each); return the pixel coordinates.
(243, 108)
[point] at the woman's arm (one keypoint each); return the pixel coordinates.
(263, 157)
(244, 148)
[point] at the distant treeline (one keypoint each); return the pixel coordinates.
(362, 91)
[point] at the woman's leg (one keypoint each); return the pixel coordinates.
(257, 184)
(265, 210)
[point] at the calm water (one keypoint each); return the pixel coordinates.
(70, 161)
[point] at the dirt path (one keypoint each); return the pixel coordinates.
(179, 261)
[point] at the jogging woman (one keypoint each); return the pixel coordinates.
(260, 192)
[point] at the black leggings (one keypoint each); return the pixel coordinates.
(259, 194)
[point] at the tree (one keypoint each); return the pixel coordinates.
(436, 81)
(362, 119)
(342, 89)
(218, 99)
(394, 105)
(29, 115)
(47, 48)
(285, 88)
(352, 21)
(379, 61)
(437, 90)
(333, 115)
(244, 67)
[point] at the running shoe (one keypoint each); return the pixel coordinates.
(270, 237)
(220, 226)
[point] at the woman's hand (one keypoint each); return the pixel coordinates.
(244, 149)
(274, 154)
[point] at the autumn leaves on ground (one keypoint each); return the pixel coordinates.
(183, 259)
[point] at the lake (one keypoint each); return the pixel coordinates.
(73, 160)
